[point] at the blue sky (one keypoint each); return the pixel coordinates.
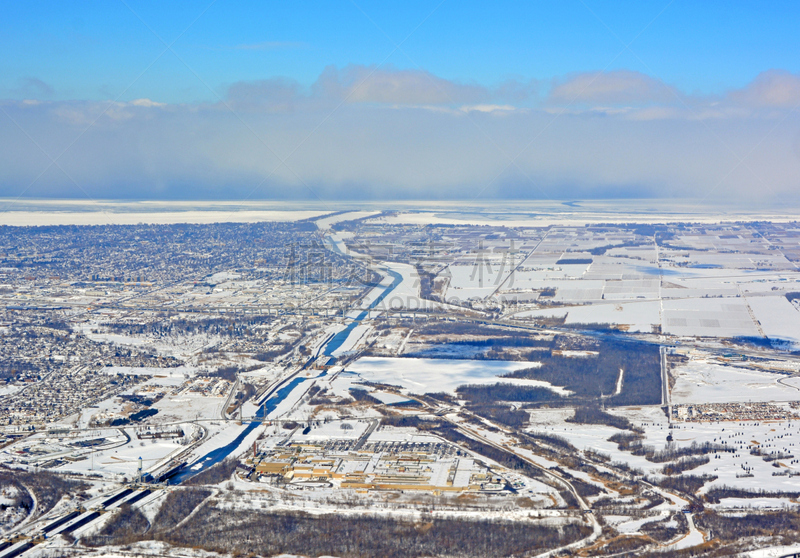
(362, 99)
(95, 50)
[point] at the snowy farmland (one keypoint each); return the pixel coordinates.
(632, 316)
(703, 381)
(708, 317)
(778, 317)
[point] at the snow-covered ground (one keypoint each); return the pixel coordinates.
(222, 276)
(702, 381)
(421, 375)
(326, 222)
(9, 389)
(636, 316)
(779, 437)
(344, 430)
(772, 552)
(711, 317)
(124, 460)
(694, 537)
(624, 524)
(180, 346)
(189, 406)
(778, 317)
(756, 504)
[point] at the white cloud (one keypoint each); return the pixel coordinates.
(146, 103)
(773, 89)
(487, 108)
(620, 87)
(370, 84)
(400, 137)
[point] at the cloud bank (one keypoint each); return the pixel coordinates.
(362, 132)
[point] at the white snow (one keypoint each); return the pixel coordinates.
(9, 389)
(421, 375)
(772, 552)
(778, 317)
(711, 317)
(701, 381)
(353, 340)
(326, 222)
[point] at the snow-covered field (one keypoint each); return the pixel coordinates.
(189, 406)
(420, 375)
(702, 381)
(344, 430)
(636, 316)
(124, 461)
(9, 390)
(476, 279)
(773, 552)
(783, 436)
(543, 213)
(778, 317)
(710, 317)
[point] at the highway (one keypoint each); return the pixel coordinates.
(443, 411)
(34, 533)
(665, 401)
(584, 507)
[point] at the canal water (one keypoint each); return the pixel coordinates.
(339, 339)
(272, 401)
(216, 456)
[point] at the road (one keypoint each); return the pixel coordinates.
(692, 537)
(444, 410)
(558, 479)
(519, 265)
(363, 438)
(35, 533)
(665, 401)
(223, 413)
